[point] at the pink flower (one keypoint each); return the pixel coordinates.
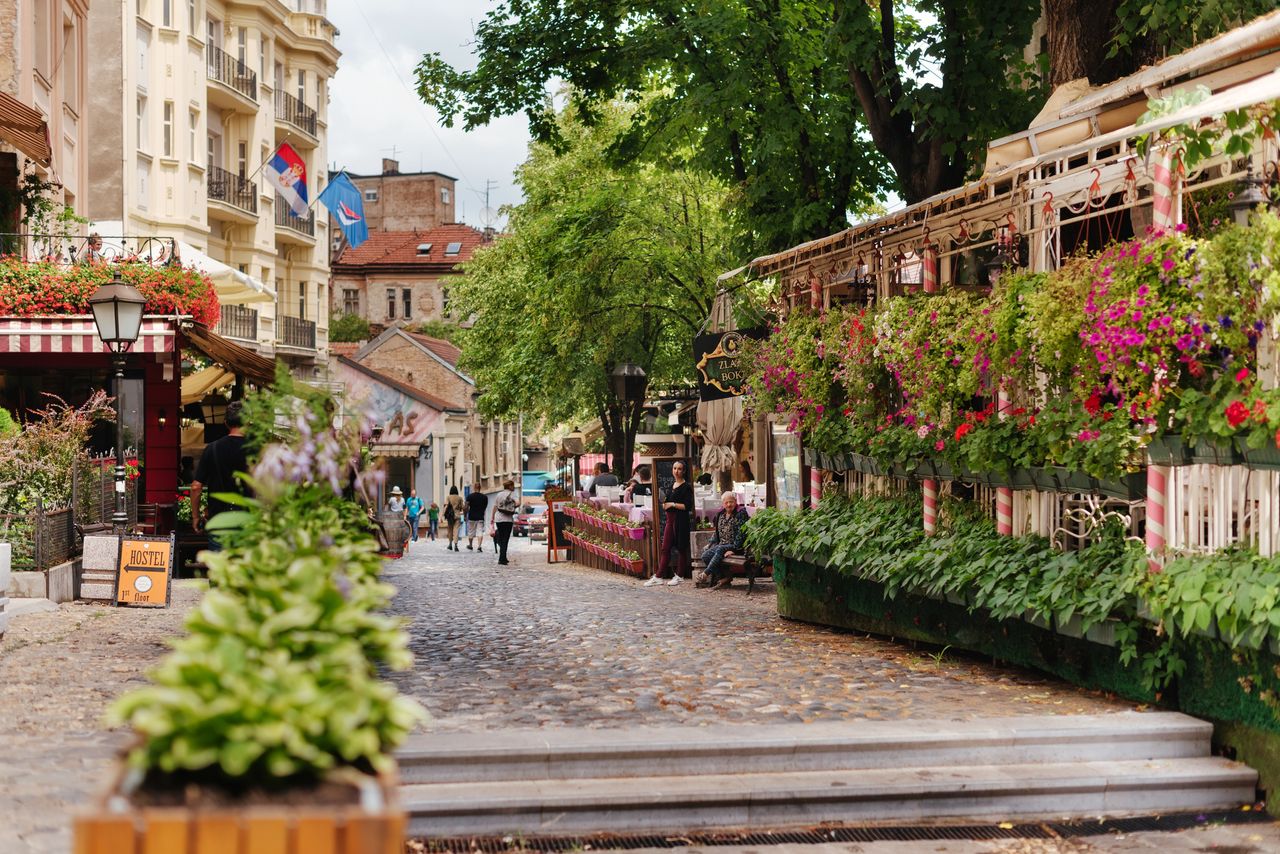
(1242, 375)
(939, 445)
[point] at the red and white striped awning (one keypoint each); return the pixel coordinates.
(77, 334)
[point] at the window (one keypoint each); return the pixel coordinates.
(143, 142)
(453, 248)
(144, 49)
(444, 301)
(144, 182)
(215, 150)
(370, 195)
(70, 65)
(444, 195)
(242, 45)
(242, 159)
(279, 76)
(424, 248)
(350, 301)
(168, 129)
(166, 13)
(302, 86)
(391, 303)
(214, 27)
(302, 300)
(406, 298)
(191, 16)
(193, 122)
(42, 37)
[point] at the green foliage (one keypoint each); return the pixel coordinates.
(443, 329)
(269, 413)
(1235, 591)
(348, 328)
(37, 288)
(37, 462)
(8, 426)
(1169, 26)
(277, 678)
(602, 265)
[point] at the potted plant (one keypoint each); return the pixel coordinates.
(274, 698)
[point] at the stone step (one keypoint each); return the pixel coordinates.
(671, 804)
(559, 754)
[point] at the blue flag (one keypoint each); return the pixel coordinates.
(342, 198)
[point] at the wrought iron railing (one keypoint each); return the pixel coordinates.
(296, 332)
(229, 187)
(229, 71)
(296, 113)
(90, 248)
(285, 218)
(239, 321)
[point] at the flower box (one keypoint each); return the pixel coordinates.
(934, 469)
(1023, 479)
(999, 479)
(1102, 633)
(635, 567)
(1267, 457)
(866, 465)
(1072, 481)
(635, 533)
(1072, 628)
(1168, 450)
(1043, 479)
(1129, 487)
(1211, 452)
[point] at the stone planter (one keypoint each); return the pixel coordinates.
(57, 584)
(1072, 628)
(375, 825)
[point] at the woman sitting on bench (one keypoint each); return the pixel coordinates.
(730, 532)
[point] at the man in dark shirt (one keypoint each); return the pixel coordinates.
(217, 469)
(477, 503)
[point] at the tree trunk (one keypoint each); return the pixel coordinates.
(1078, 33)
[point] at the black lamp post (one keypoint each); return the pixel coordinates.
(1249, 197)
(117, 312)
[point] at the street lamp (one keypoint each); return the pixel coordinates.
(117, 312)
(1249, 197)
(629, 382)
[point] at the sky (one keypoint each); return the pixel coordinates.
(373, 106)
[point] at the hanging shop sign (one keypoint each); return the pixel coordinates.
(717, 357)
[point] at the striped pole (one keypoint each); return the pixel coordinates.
(815, 473)
(1163, 215)
(930, 486)
(1004, 495)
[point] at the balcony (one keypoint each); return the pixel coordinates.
(239, 321)
(232, 195)
(232, 85)
(296, 332)
(294, 229)
(297, 115)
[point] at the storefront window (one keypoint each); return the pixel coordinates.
(786, 469)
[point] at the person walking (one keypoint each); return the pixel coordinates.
(453, 517)
(677, 504)
(217, 470)
(505, 507)
(433, 520)
(729, 535)
(412, 512)
(477, 503)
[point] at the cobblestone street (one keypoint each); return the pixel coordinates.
(534, 645)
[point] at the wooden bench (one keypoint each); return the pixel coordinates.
(741, 566)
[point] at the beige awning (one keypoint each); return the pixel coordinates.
(239, 360)
(233, 287)
(197, 385)
(25, 129)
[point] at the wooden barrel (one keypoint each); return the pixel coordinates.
(397, 531)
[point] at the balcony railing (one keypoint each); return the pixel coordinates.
(284, 217)
(239, 321)
(296, 332)
(296, 113)
(229, 187)
(230, 71)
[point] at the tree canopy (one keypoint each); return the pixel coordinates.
(810, 109)
(601, 265)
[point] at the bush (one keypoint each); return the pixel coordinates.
(348, 328)
(277, 679)
(37, 461)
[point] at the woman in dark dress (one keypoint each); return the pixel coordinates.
(677, 504)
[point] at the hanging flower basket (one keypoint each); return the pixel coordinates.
(1130, 487)
(1267, 457)
(636, 567)
(636, 533)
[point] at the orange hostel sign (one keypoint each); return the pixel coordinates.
(146, 568)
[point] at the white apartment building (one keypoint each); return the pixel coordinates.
(190, 98)
(42, 99)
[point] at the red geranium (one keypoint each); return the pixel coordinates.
(963, 430)
(1093, 404)
(1236, 413)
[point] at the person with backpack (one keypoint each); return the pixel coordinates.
(412, 512)
(477, 502)
(453, 517)
(503, 520)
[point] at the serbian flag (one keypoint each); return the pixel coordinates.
(288, 174)
(342, 198)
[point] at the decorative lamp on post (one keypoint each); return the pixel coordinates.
(1248, 197)
(629, 383)
(117, 312)
(214, 409)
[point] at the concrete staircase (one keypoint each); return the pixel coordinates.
(572, 782)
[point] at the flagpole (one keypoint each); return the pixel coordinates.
(267, 159)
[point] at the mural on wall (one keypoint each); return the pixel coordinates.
(403, 419)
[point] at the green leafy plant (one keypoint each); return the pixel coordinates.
(348, 328)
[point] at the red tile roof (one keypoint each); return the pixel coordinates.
(442, 348)
(400, 248)
(345, 348)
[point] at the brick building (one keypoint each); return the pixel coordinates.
(403, 201)
(402, 276)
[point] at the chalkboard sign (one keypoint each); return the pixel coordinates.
(557, 522)
(663, 482)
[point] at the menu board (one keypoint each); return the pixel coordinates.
(557, 522)
(145, 570)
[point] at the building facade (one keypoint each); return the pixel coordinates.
(404, 201)
(190, 98)
(403, 277)
(43, 88)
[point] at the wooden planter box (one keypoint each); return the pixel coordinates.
(1168, 450)
(113, 829)
(1213, 453)
(1267, 457)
